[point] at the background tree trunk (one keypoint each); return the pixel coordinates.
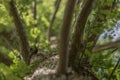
(24, 45)
(34, 9)
(49, 33)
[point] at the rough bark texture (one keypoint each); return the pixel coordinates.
(24, 45)
(64, 36)
(77, 42)
(5, 59)
(53, 19)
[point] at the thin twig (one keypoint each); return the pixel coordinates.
(114, 50)
(114, 69)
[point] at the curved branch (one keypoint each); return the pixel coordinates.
(106, 46)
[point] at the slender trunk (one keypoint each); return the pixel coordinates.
(77, 43)
(49, 33)
(24, 45)
(64, 36)
(34, 8)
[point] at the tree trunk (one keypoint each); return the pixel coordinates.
(77, 45)
(53, 19)
(24, 45)
(64, 36)
(34, 9)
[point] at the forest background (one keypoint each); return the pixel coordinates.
(86, 34)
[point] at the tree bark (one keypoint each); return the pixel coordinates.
(49, 33)
(77, 43)
(24, 45)
(64, 36)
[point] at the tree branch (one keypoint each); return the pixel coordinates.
(94, 37)
(106, 46)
